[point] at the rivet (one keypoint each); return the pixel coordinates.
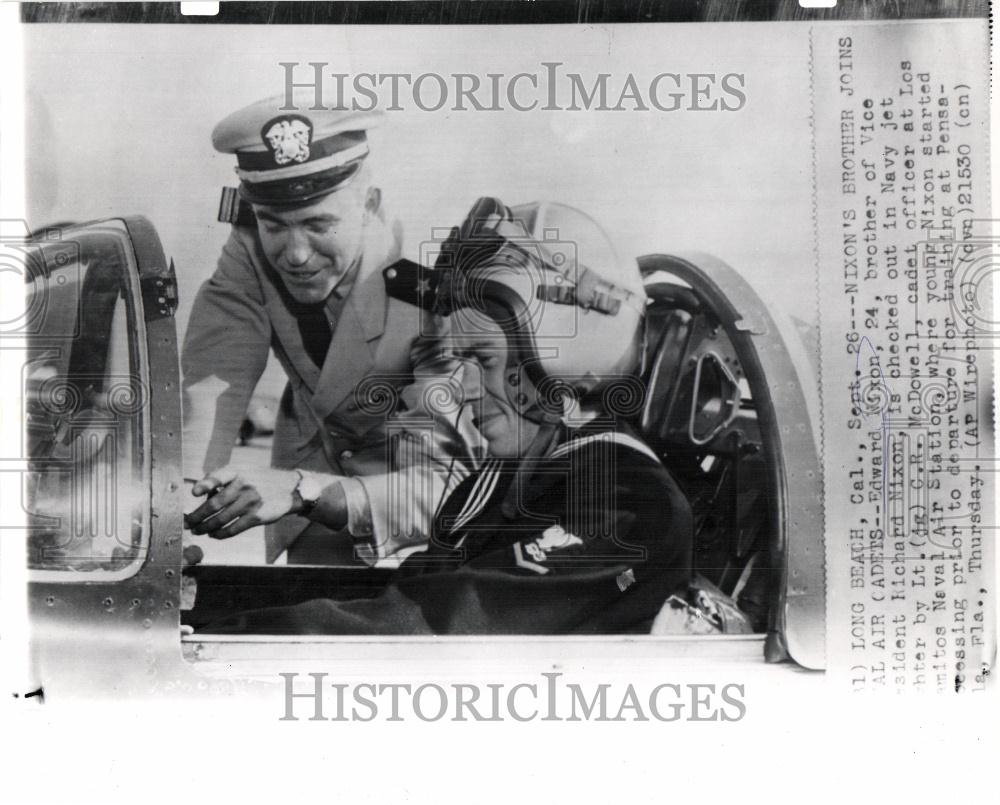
(147, 624)
(109, 601)
(50, 600)
(169, 573)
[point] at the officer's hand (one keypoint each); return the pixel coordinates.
(242, 499)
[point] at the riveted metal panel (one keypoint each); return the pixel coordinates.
(114, 637)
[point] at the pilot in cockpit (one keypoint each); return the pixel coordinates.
(573, 524)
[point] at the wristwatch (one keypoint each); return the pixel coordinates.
(309, 490)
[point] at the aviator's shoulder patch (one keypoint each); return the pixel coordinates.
(533, 554)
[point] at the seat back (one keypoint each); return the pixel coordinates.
(699, 418)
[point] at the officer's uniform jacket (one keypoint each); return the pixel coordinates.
(332, 419)
(596, 539)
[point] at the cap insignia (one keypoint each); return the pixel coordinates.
(288, 138)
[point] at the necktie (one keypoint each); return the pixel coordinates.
(315, 330)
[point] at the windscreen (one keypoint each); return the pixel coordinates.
(85, 402)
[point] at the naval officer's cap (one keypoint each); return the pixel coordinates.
(290, 153)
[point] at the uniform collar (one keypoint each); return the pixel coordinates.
(550, 469)
(365, 289)
(343, 288)
(356, 333)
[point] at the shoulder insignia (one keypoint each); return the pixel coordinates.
(554, 538)
(234, 210)
(412, 283)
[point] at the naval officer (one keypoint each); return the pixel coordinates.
(301, 274)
